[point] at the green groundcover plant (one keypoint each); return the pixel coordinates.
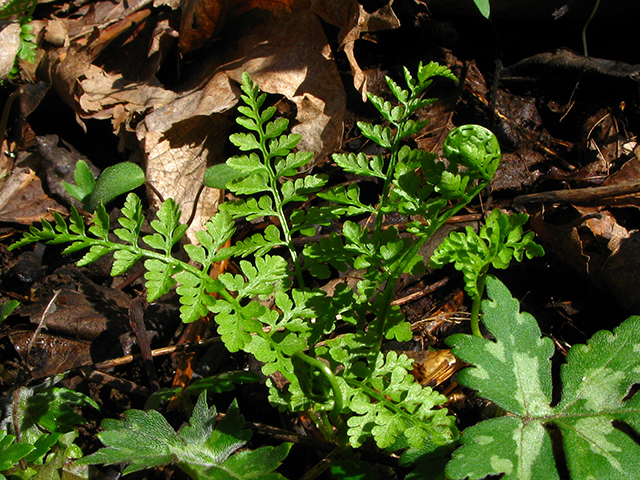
(590, 423)
(204, 449)
(45, 418)
(351, 388)
(497, 242)
(114, 181)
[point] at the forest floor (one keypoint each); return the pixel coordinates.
(112, 84)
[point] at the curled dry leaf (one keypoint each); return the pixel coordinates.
(598, 246)
(382, 19)
(183, 131)
(183, 138)
(594, 242)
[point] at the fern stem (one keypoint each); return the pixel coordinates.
(277, 198)
(586, 25)
(324, 369)
(475, 307)
(408, 256)
(393, 159)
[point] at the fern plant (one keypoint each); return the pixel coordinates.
(497, 242)
(350, 387)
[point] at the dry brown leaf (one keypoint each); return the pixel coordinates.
(628, 173)
(50, 354)
(10, 41)
(621, 272)
(100, 92)
(183, 133)
(598, 246)
(86, 312)
(180, 139)
(184, 137)
(23, 201)
(382, 19)
(202, 19)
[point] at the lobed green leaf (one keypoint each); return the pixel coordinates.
(596, 381)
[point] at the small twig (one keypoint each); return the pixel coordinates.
(116, 362)
(286, 436)
(51, 307)
(121, 384)
(320, 467)
(419, 294)
(578, 195)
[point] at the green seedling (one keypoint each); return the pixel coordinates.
(591, 422)
(7, 309)
(350, 388)
(484, 7)
(499, 240)
(204, 449)
(114, 181)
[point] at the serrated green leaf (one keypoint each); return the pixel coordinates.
(377, 133)
(17, 7)
(392, 405)
(400, 94)
(168, 227)
(259, 244)
(300, 189)
(499, 240)
(95, 252)
(360, 164)
(245, 141)
(100, 227)
(474, 147)
(159, 278)
(433, 69)
(203, 449)
(196, 295)
(595, 382)
(123, 261)
(291, 163)
(281, 146)
(349, 196)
